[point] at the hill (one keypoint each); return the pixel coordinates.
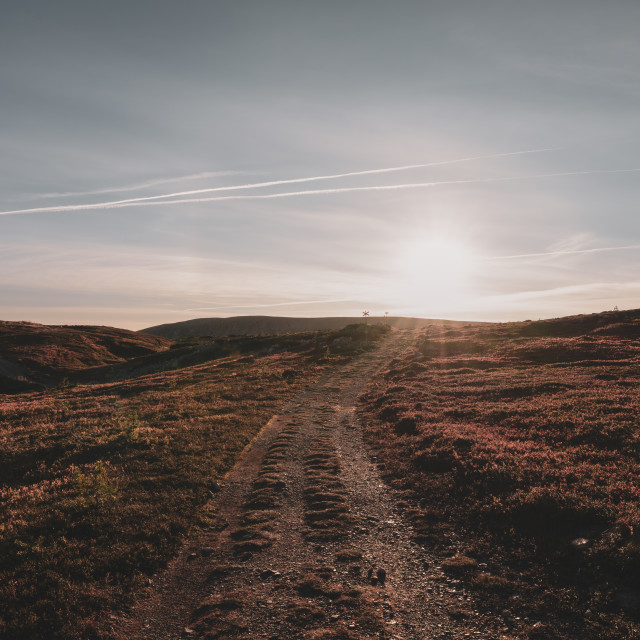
(272, 325)
(35, 354)
(624, 324)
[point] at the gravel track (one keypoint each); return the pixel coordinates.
(300, 522)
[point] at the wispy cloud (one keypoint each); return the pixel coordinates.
(567, 252)
(564, 253)
(601, 289)
(265, 306)
(137, 187)
(164, 199)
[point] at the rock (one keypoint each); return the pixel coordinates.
(207, 551)
(580, 543)
(192, 556)
(381, 574)
(270, 573)
(541, 631)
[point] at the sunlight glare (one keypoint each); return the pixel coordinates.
(435, 271)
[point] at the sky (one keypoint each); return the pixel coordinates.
(161, 161)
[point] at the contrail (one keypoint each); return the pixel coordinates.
(273, 183)
(564, 252)
(137, 187)
(256, 185)
(291, 194)
(309, 192)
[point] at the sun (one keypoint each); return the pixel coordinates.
(441, 255)
(434, 270)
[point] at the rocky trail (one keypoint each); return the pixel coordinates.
(308, 542)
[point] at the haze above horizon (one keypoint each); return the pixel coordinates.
(165, 161)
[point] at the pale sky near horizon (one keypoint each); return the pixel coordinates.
(491, 151)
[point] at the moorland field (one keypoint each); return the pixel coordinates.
(521, 442)
(510, 451)
(100, 481)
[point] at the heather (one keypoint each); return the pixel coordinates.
(516, 446)
(34, 354)
(99, 483)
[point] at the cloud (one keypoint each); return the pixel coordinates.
(268, 305)
(567, 252)
(137, 187)
(597, 290)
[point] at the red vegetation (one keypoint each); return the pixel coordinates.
(48, 353)
(521, 441)
(99, 483)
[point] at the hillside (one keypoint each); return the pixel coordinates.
(623, 324)
(516, 448)
(256, 325)
(99, 484)
(34, 354)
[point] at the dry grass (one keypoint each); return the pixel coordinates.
(303, 614)
(349, 555)
(460, 565)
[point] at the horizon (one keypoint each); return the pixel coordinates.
(355, 317)
(163, 163)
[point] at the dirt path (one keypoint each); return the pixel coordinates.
(308, 542)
